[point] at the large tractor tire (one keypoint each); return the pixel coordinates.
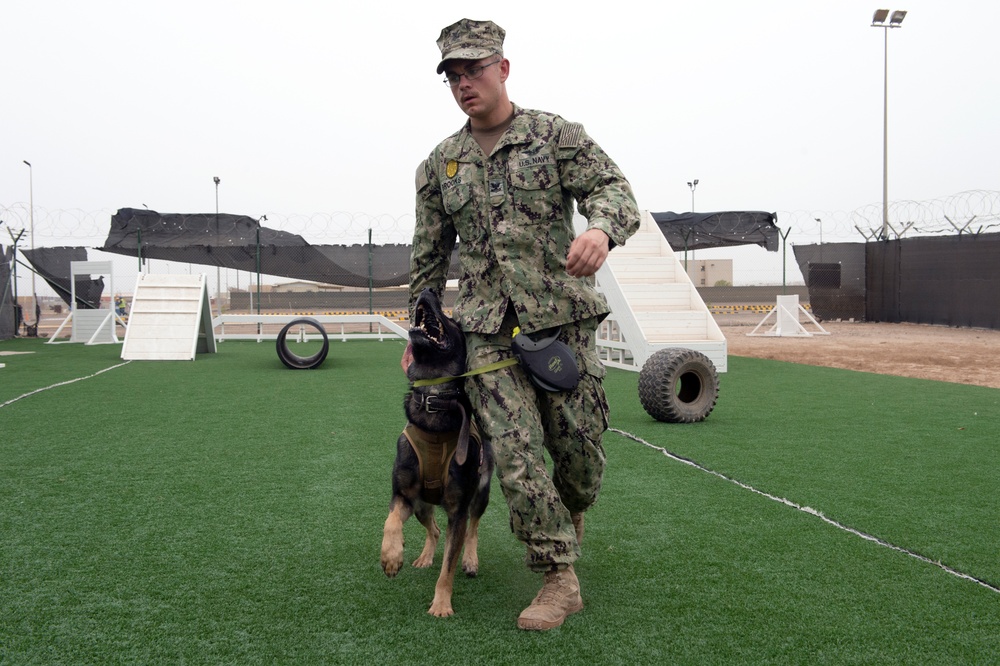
(678, 386)
(295, 362)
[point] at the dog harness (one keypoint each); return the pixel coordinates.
(435, 451)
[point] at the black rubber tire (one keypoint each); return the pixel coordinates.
(302, 362)
(678, 386)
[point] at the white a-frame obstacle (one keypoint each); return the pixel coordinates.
(786, 320)
(89, 326)
(654, 304)
(170, 319)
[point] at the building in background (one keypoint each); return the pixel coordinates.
(711, 272)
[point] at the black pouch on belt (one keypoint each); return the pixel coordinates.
(550, 363)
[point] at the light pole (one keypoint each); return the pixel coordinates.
(693, 184)
(820, 237)
(878, 21)
(218, 271)
(31, 218)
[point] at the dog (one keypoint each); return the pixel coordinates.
(453, 466)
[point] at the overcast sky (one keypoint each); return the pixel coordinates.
(303, 107)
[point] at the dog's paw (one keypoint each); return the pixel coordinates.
(470, 565)
(391, 568)
(441, 608)
(424, 561)
(392, 558)
(427, 554)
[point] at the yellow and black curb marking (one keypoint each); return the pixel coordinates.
(739, 309)
(403, 315)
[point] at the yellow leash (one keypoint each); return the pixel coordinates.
(478, 371)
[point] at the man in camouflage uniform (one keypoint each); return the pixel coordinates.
(505, 185)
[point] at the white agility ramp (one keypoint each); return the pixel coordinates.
(89, 326)
(785, 314)
(654, 304)
(170, 319)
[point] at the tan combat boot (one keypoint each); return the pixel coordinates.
(558, 598)
(578, 526)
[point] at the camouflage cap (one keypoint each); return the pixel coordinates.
(470, 40)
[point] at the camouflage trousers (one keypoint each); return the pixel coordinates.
(523, 422)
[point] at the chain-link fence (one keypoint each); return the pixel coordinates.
(738, 283)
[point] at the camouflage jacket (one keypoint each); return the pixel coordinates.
(512, 214)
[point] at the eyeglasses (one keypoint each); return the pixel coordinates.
(471, 73)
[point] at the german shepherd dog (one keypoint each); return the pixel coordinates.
(452, 466)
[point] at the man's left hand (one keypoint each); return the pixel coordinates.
(587, 253)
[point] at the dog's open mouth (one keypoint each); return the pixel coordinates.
(427, 321)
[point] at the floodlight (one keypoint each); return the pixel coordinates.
(880, 16)
(897, 17)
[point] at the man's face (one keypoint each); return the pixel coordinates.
(480, 95)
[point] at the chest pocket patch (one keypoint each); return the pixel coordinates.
(456, 190)
(534, 171)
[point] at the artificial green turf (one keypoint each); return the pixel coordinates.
(229, 510)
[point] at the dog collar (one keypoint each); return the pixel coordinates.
(436, 402)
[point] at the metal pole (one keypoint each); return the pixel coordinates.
(879, 21)
(31, 217)
(260, 327)
(820, 237)
(218, 270)
(885, 138)
(258, 270)
(371, 288)
(784, 263)
(17, 304)
(784, 257)
(693, 184)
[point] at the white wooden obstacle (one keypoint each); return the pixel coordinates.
(385, 328)
(90, 326)
(170, 319)
(786, 313)
(654, 304)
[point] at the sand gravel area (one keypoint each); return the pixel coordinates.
(959, 355)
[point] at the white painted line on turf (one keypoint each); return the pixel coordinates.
(69, 381)
(810, 511)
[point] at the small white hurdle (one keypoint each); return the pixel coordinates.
(786, 320)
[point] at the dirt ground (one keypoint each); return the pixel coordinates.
(959, 355)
